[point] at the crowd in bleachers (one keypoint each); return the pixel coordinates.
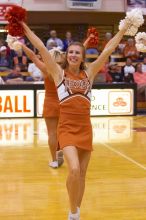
(126, 64)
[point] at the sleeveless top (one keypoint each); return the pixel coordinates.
(74, 93)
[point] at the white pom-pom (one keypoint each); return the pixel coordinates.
(140, 37)
(134, 19)
(135, 16)
(10, 39)
(13, 42)
(132, 30)
(140, 40)
(140, 47)
(17, 45)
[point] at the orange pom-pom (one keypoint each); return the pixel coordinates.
(14, 15)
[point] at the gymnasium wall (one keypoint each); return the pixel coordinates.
(60, 5)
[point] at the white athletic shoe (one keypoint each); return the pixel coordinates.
(73, 216)
(53, 164)
(59, 156)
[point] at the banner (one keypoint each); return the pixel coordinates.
(84, 4)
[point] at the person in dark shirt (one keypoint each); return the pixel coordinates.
(116, 73)
(5, 62)
(15, 76)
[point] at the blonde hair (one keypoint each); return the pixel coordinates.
(56, 53)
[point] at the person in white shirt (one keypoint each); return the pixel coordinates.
(128, 68)
(58, 41)
(35, 72)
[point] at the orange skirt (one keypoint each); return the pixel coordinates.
(75, 130)
(51, 107)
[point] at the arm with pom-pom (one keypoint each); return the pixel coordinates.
(52, 67)
(87, 40)
(95, 66)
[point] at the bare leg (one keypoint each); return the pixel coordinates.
(84, 157)
(51, 124)
(72, 183)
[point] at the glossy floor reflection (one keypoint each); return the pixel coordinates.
(116, 178)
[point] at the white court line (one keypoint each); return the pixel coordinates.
(124, 156)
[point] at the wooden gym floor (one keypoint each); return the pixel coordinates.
(116, 178)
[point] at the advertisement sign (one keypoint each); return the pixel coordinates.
(84, 4)
(103, 102)
(16, 103)
(40, 95)
(112, 102)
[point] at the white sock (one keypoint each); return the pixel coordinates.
(78, 210)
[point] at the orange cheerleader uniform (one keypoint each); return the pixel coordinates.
(74, 127)
(51, 101)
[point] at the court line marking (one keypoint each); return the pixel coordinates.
(124, 156)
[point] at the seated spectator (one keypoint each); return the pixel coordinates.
(2, 42)
(34, 71)
(115, 72)
(130, 50)
(58, 41)
(107, 38)
(140, 79)
(128, 67)
(21, 59)
(51, 44)
(102, 76)
(5, 61)
(128, 70)
(15, 77)
(120, 47)
(68, 39)
(1, 81)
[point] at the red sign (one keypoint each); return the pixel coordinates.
(3, 8)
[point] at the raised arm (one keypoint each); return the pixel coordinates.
(95, 66)
(52, 67)
(128, 26)
(87, 40)
(33, 57)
